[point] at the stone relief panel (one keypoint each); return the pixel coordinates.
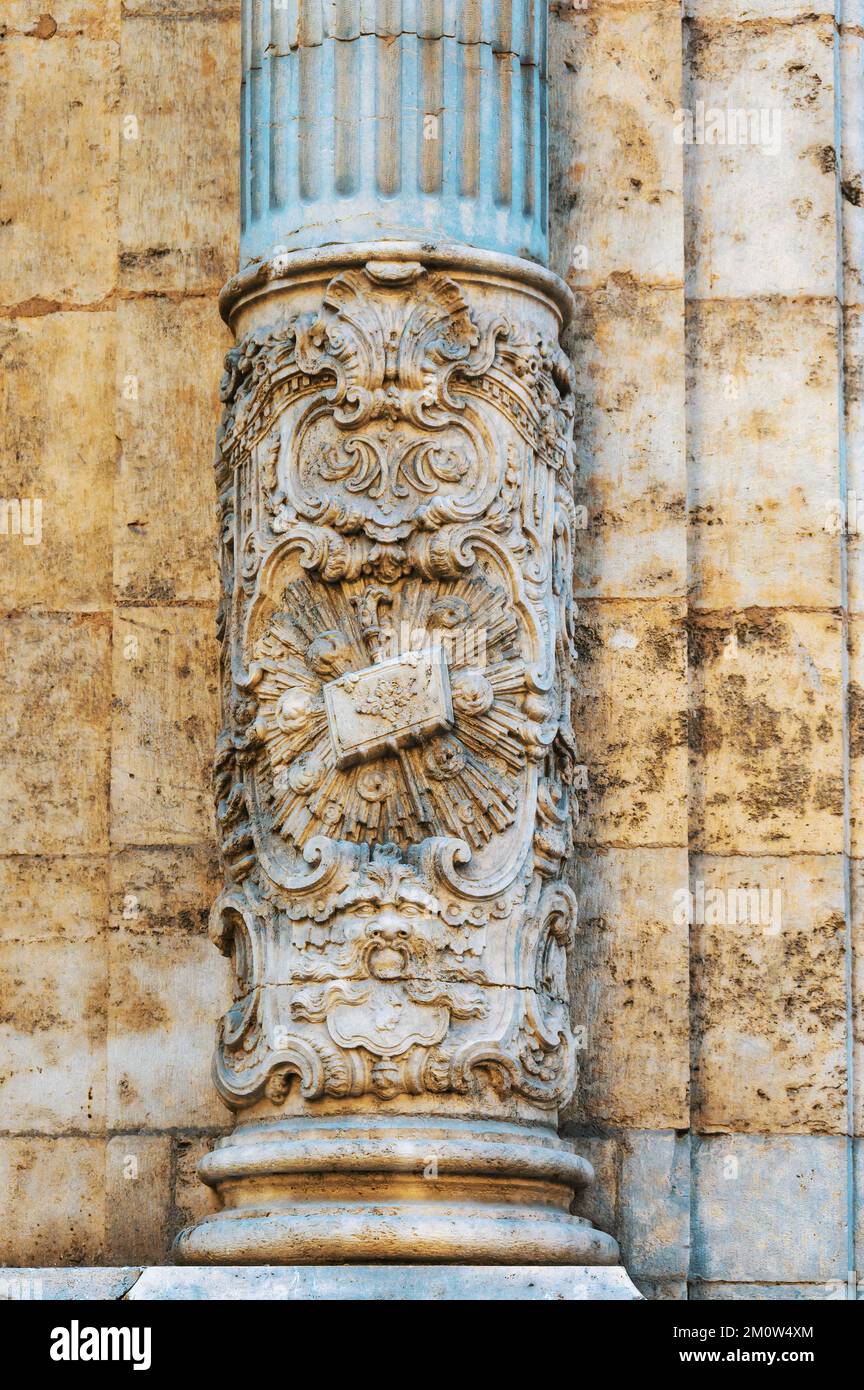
(393, 780)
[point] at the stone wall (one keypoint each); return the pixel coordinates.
(717, 327)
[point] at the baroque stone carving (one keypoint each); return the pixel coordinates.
(394, 782)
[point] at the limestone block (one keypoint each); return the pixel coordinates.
(58, 235)
(598, 1201)
(58, 460)
(857, 916)
(615, 173)
(832, 1290)
(769, 1209)
(763, 468)
(47, 899)
(52, 1035)
(61, 18)
(179, 150)
(164, 995)
(54, 689)
(740, 10)
(626, 343)
(851, 54)
(164, 725)
(192, 1199)
(169, 362)
(633, 749)
(654, 1219)
(52, 1201)
(769, 994)
(630, 992)
(848, 515)
(758, 222)
(138, 1191)
(54, 1285)
(164, 891)
(387, 1283)
(766, 729)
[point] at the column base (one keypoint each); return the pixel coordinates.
(389, 1283)
(398, 1190)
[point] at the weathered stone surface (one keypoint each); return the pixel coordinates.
(633, 751)
(626, 343)
(848, 512)
(629, 989)
(52, 1035)
(769, 1020)
(164, 725)
(55, 691)
(833, 1290)
(654, 1220)
(179, 134)
(786, 242)
(374, 1283)
(192, 1199)
(58, 1285)
(856, 877)
(165, 994)
(163, 501)
(615, 174)
(52, 1201)
(59, 447)
(766, 730)
(599, 1200)
(138, 1193)
(163, 891)
(760, 524)
(769, 1209)
(47, 899)
(58, 236)
(855, 713)
(96, 18)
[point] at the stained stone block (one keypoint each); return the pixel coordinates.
(138, 1191)
(164, 725)
(58, 458)
(855, 714)
(856, 871)
(96, 18)
(848, 513)
(168, 891)
(164, 996)
(769, 1209)
(851, 59)
(785, 76)
(766, 732)
(626, 343)
(740, 11)
(52, 1035)
(633, 796)
(52, 1201)
(168, 367)
(598, 1201)
(179, 151)
(54, 689)
(630, 992)
(832, 1290)
(615, 173)
(764, 374)
(654, 1218)
(58, 238)
(47, 899)
(192, 1200)
(769, 994)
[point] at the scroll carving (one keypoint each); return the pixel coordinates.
(393, 781)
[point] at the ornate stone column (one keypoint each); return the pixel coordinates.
(394, 478)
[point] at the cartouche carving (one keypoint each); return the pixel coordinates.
(393, 781)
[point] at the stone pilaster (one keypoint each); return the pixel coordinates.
(394, 472)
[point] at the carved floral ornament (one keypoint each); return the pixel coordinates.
(393, 778)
